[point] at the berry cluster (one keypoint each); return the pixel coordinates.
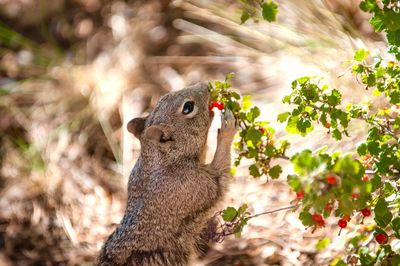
(319, 221)
(318, 218)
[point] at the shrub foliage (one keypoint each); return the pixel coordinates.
(363, 184)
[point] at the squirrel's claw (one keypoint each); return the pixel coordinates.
(228, 124)
(229, 118)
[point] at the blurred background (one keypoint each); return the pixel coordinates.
(73, 72)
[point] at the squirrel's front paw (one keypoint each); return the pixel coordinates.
(228, 126)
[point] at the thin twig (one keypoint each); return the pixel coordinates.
(273, 211)
(282, 157)
(375, 122)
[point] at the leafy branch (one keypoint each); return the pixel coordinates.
(235, 220)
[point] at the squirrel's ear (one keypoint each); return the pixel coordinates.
(136, 126)
(158, 134)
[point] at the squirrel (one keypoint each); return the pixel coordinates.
(172, 193)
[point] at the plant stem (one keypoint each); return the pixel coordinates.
(273, 211)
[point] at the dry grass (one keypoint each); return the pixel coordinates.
(65, 99)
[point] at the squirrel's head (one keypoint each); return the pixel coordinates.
(178, 125)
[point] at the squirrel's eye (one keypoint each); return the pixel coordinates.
(188, 107)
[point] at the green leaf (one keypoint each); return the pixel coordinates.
(362, 149)
(388, 189)
(294, 182)
(394, 97)
(253, 114)
(336, 134)
(269, 10)
(376, 182)
(286, 99)
(371, 80)
(254, 135)
(275, 171)
(310, 91)
(376, 93)
(303, 124)
(304, 162)
(373, 147)
(366, 257)
(350, 167)
(219, 84)
(270, 150)
(355, 241)
(396, 123)
(323, 243)
(391, 20)
(246, 103)
(381, 207)
(338, 262)
(236, 95)
(252, 152)
(334, 98)
(378, 23)
(382, 214)
(368, 5)
(357, 68)
(306, 218)
(229, 76)
(244, 17)
(254, 170)
(303, 80)
(238, 229)
(361, 54)
(283, 116)
(321, 150)
(229, 214)
(395, 224)
(383, 220)
(393, 37)
(233, 171)
(242, 209)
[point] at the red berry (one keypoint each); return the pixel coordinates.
(365, 178)
(381, 238)
(327, 125)
(331, 180)
(366, 212)
(299, 194)
(342, 223)
(318, 219)
(212, 105)
(355, 195)
(220, 105)
(262, 131)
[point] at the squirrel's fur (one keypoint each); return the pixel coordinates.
(171, 192)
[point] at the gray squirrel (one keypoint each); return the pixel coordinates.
(172, 193)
